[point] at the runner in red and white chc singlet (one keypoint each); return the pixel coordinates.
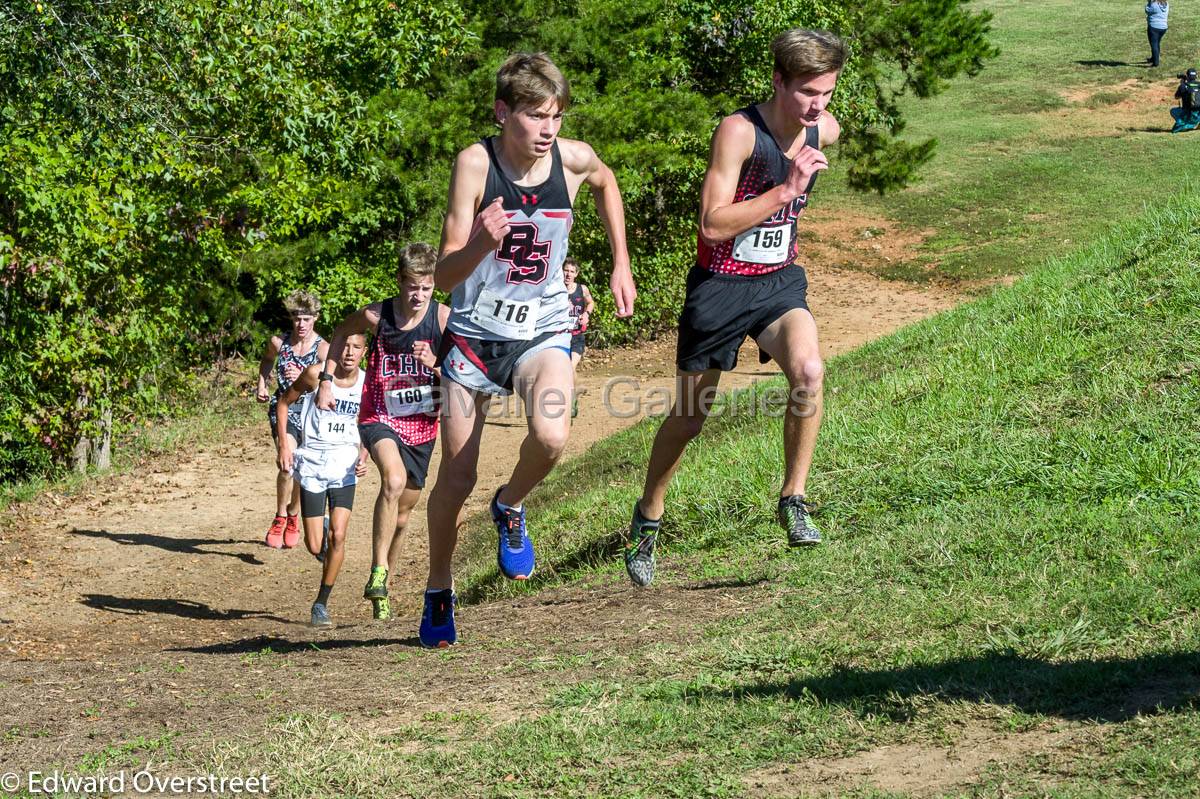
(398, 421)
(764, 162)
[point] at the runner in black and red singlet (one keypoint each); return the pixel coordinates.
(398, 421)
(764, 162)
(503, 245)
(581, 312)
(581, 308)
(287, 356)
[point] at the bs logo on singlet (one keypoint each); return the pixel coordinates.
(529, 257)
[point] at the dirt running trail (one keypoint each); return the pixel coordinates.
(140, 602)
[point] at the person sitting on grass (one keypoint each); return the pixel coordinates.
(287, 355)
(1187, 115)
(328, 462)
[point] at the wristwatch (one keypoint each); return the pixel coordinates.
(323, 377)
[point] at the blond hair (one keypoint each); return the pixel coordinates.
(302, 303)
(417, 260)
(801, 53)
(529, 80)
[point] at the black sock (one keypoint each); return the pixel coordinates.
(323, 594)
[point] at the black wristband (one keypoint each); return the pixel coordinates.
(323, 377)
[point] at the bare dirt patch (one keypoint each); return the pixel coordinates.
(842, 239)
(1091, 111)
(146, 603)
(917, 769)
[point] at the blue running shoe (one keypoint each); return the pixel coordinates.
(320, 616)
(437, 621)
(515, 552)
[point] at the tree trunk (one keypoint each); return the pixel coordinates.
(102, 451)
(82, 454)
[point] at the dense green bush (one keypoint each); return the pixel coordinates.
(169, 170)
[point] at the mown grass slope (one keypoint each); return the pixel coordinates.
(1064, 133)
(1009, 493)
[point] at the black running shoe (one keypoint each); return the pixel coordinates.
(795, 516)
(639, 547)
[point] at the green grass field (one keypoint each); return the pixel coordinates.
(1009, 493)
(1021, 172)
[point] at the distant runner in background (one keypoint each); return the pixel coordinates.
(287, 355)
(398, 421)
(764, 162)
(328, 462)
(581, 311)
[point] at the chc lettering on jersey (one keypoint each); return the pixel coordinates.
(403, 365)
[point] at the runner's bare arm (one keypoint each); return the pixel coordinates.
(721, 218)
(581, 159)
(468, 236)
(830, 129)
(443, 318)
(265, 366)
(306, 381)
(365, 318)
(589, 305)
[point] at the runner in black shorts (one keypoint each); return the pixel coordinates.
(582, 306)
(287, 356)
(764, 161)
(398, 422)
(504, 238)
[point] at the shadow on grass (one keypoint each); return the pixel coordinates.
(1085, 690)
(1103, 62)
(185, 546)
(728, 582)
(274, 645)
(133, 606)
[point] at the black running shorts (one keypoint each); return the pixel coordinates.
(577, 343)
(312, 503)
(293, 430)
(719, 311)
(416, 458)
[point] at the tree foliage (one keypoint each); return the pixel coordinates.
(170, 169)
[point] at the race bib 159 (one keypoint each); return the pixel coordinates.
(763, 245)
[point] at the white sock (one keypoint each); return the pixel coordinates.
(502, 506)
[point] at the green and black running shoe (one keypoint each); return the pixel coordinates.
(639, 548)
(376, 584)
(795, 516)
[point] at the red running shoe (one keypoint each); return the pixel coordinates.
(275, 533)
(291, 532)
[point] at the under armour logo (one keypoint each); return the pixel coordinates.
(529, 198)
